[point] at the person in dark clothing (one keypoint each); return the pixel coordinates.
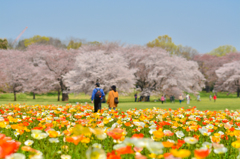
(97, 96)
(135, 96)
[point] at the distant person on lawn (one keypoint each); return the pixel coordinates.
(172, 99)
(188, 99)
(215, 98)
(210, 97)
(97, 95)
(180, 99)
(162, 99)
(135, 96)
(112, 100)
(198, 98)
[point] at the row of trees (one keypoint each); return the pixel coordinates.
(43, 68)
(43, 65)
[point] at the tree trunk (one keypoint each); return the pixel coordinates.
(15, 96)
(65, 97)
(63, 88)
(58, 95)
(33, 95)
(238, 92)
(207, 87)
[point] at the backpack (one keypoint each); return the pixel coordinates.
(98, 95)
(115, 99)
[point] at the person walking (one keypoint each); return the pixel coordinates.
(215, 98)
(210, 97)
(188, 99)
(112, 100)
(180, 99)
(198, 98)
(96, 98)
(173, 99)
(135, 96)
(162, 99)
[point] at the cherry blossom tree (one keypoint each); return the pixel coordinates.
(15, 69)
(100, 64)
(41, 80)
(208, 64)
(57, 63)
(161, 72)
(228, 78)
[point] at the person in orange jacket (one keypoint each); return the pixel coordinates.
(112, 100)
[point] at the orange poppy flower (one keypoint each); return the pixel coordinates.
(116, 133)
(127, 124)
(113, 155)
(7, 147)
(75, 139)
(201, 153)
(125, 150)
(167, 144)
(138, 135)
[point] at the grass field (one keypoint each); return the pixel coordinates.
(224, 101)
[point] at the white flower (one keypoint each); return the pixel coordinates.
(204, 131)
(38, 155)
(171, 141)
(179, 134)
(118, 146)
(166, 132)
(16, 133)
(97, 145)
(190, 140)
(207, 145)
(155, 147)
(210, 126)
(153, 126)
(8, 127)
(16, 156)
(37, 134)
(53, 140)
(141, 124)
(95, 153)
(28, 142)
(152, 130)
(65, 157)
(220, 150)
(221, 133)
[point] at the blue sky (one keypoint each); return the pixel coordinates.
(201, 24)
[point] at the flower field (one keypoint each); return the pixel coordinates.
(74, 131)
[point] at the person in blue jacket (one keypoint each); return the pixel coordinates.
(97, 95)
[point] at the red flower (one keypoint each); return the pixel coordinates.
(113, 155)
(201, 153)
(138, 135)
(116, 133)
(125, 150)
(232, 129)
(7, 146)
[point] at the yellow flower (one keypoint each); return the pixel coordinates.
(2, 125)
(80, 130)
(181, 153)
(85, 140)
(152, 155)
(158, 134)
(236, 144)
(105, 120)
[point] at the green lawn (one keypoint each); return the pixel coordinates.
(127, 102)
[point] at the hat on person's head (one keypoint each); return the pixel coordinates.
(97, 84)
